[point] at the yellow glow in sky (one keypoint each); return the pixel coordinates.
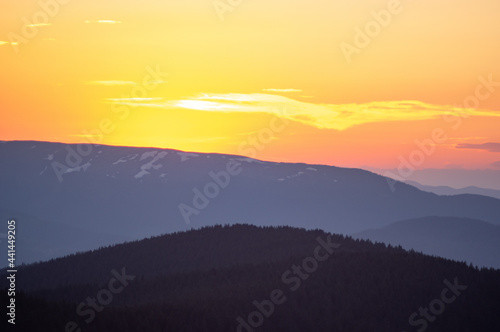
(198, 75)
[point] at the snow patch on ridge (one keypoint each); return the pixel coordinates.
(146, 155)
(127, 158)
(186, 155)
(141, 173)
(291, 176)
(121, 160)
(151, 164)
(83, 167)
(249, 160)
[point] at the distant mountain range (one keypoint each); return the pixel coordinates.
(445, 190)
(452, 177)
(245, 278)
(473, 241)
(69, 198)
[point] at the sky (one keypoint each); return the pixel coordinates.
(374, 84)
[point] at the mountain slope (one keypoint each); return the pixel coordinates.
(469, 240)
(140, 192)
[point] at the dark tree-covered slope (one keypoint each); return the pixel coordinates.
(204, 280)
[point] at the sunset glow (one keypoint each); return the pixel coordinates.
(191, 76)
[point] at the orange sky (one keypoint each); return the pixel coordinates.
(277, 80)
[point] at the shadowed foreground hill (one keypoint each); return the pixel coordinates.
(276, 279)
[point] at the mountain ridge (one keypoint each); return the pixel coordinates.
(446, 190)
(138, 192)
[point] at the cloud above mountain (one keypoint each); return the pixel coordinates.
(322, 116)
(490, 146)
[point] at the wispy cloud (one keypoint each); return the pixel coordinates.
(37, 25)
(282, 90)
(490, 146)
(496, 164)
(3, 43)
(324, 116)
(471, 138)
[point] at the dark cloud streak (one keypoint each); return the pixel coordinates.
(490, 146)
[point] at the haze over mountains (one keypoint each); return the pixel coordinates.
(445, 190)
(456, 177)
(107, 194)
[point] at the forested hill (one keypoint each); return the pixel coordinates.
(115, 194)
(247, 278)
(212, 247)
